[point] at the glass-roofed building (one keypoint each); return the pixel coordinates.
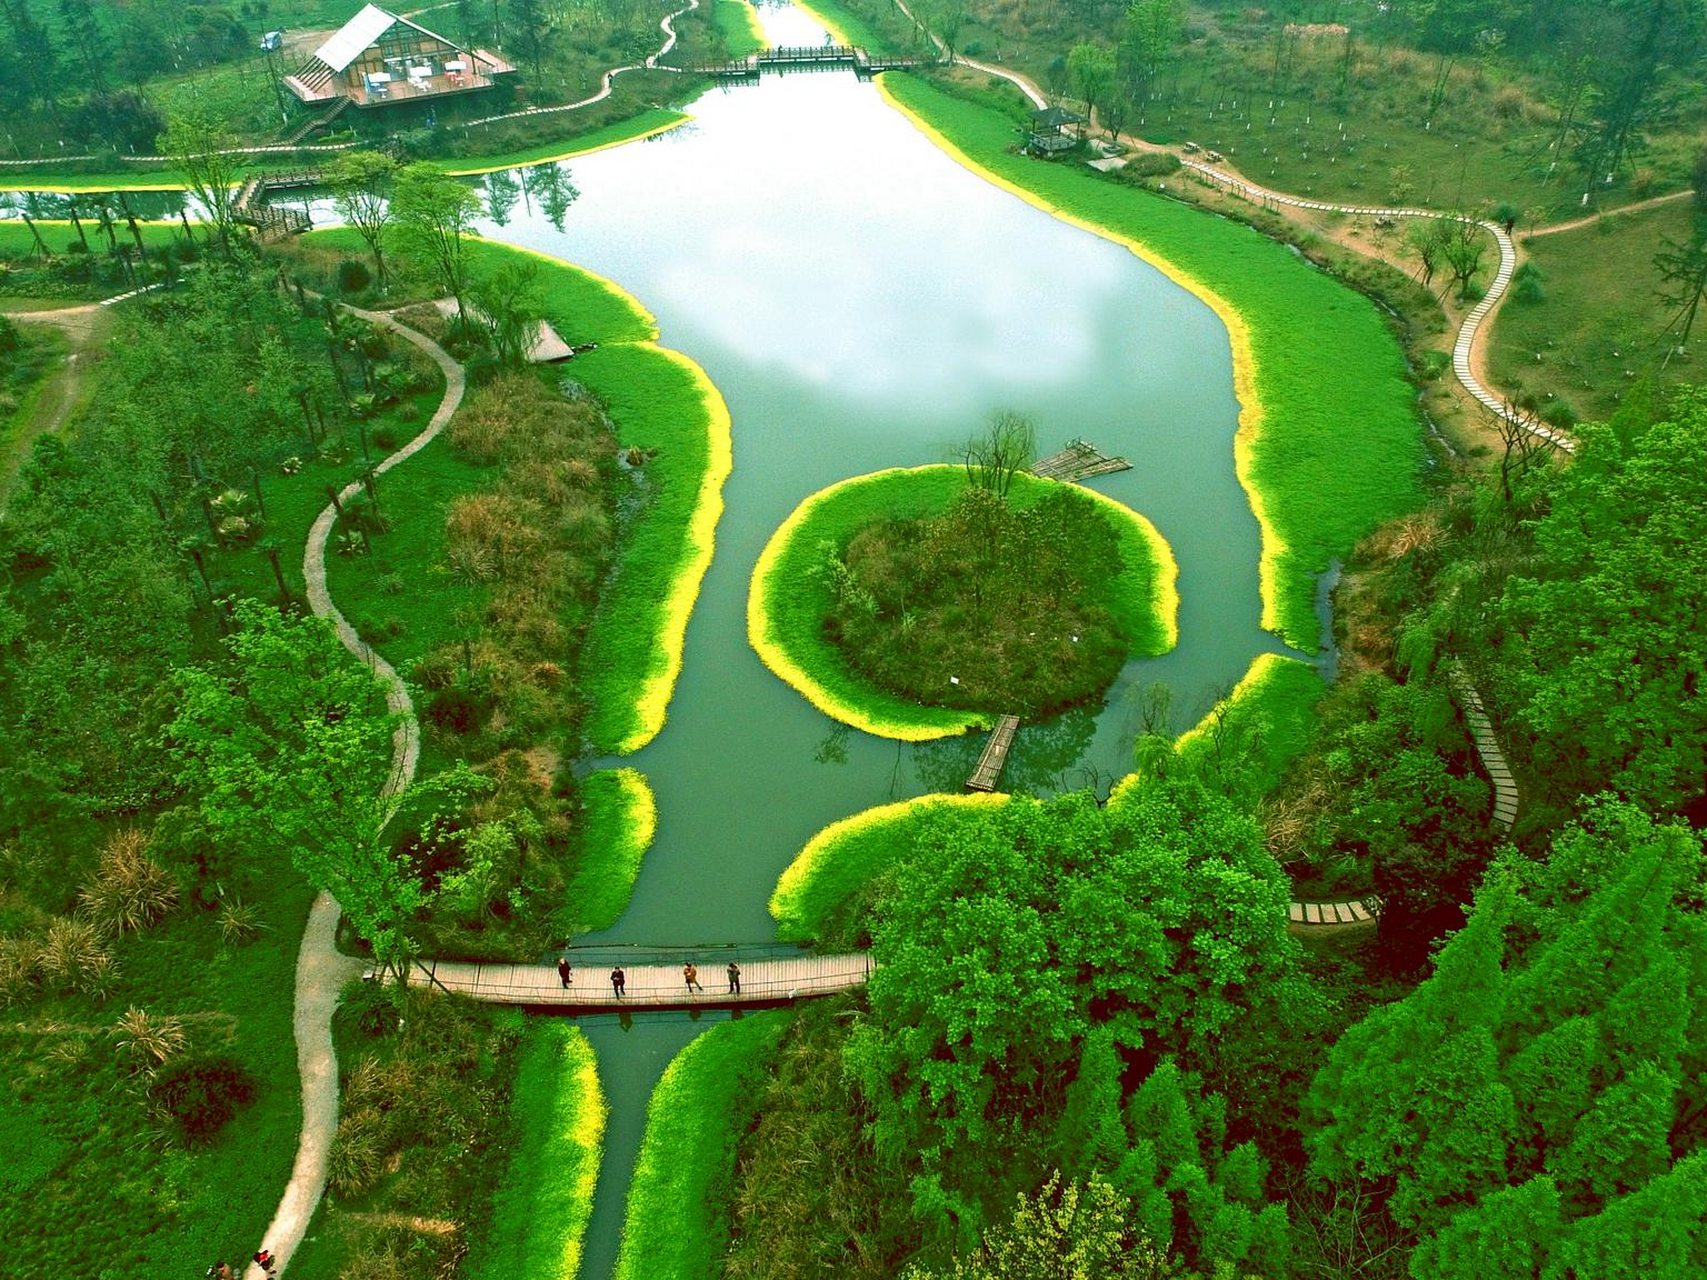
(377, 58)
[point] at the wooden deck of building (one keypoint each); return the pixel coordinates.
(1078, 461)
(988, 771)
(652, 981)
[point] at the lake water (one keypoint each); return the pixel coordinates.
(863, 302)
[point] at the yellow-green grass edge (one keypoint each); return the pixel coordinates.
(812, 884)
(541, 1212)
(676, 1197)
(633, 687)
(887, 715)
(646, 125)
(1282, 617)
(1284, 688)
(755, 28)
(622, 821)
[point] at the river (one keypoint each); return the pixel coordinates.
(863, 302)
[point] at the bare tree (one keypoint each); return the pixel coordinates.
(1006, 448)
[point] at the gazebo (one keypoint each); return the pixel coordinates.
(1048, 136)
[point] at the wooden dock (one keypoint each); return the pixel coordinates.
(1078, 461)
(653, 980)
(989, 769)
(808, 58)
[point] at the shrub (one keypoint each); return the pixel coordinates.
(74, 958)
(1559, 413)
(200, 1094)
(1526, 285)
(147, 1041)
(353, 276)
(129, 891)
(459, 709)
(8, 335)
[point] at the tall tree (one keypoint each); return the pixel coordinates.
(362, 183)
(434, 212)
(34, 63)
(291, 743)
(1091, 69)
(88, 40)
(209, 158)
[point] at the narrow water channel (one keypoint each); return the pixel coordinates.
(863, 302)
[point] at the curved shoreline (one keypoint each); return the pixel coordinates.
(886, 714)
(1251, 415)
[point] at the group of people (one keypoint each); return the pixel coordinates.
(222, 1270)
(619, 979)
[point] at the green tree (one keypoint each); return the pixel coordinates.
(361, 183)
(513, 307)
(433, 213)
(83, 30)
(1074, 1231)
(1537, 1098)
(1090, 67)
(1609, 632)
(208, 157)
(1149, 34)
(291, 743)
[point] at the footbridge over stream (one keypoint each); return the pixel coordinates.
(652, 979)
(809, 58)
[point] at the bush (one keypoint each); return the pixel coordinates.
(1526, 285)
(8, 335)
(201, 1094)
(459, 709)
(353, 276)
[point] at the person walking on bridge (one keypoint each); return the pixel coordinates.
(565, 974)
(734, 978)
(618, 980)
(690, 975)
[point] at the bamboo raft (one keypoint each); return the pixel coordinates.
(1078, 461)
(989, 769)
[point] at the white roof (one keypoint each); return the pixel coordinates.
(360, 32)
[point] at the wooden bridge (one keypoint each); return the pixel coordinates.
(653, 980)
(988, 771)
(251, 205)
(808, 58)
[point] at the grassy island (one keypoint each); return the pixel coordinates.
(793, 593)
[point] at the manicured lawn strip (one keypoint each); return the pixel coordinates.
(557, 1112)
(1328, 443)
(619, 820)
(1275, 701)
(678, 1223)
(652, 121)
(846, 856)
(659, 400)
(88, 1187)
(17, 242)
(739, 23)
(789, 596)
(581, 306)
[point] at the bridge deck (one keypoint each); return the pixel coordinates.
(1078, 461)
(648, 986)
(989, 768)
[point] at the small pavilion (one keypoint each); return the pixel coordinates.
(1048, 130)
(378, 58)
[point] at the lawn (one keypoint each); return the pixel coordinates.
(1572, 350)
(557, 1122)
(789, 596)
(738, 22)
(678, 1202)
(619, 819)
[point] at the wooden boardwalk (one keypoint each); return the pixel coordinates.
(1488, 748)
(1359, 911)
(251, 207)
(653, 982)
(1078, 461)
(989, 769)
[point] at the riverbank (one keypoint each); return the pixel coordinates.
(790, 597)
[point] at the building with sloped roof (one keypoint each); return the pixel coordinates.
(378, 58)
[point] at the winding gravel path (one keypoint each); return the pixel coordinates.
(321, 970)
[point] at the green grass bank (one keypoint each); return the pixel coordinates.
(789, 596)
(813, 896)
(557, 1112)
(619, 820)
(678, 1203)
